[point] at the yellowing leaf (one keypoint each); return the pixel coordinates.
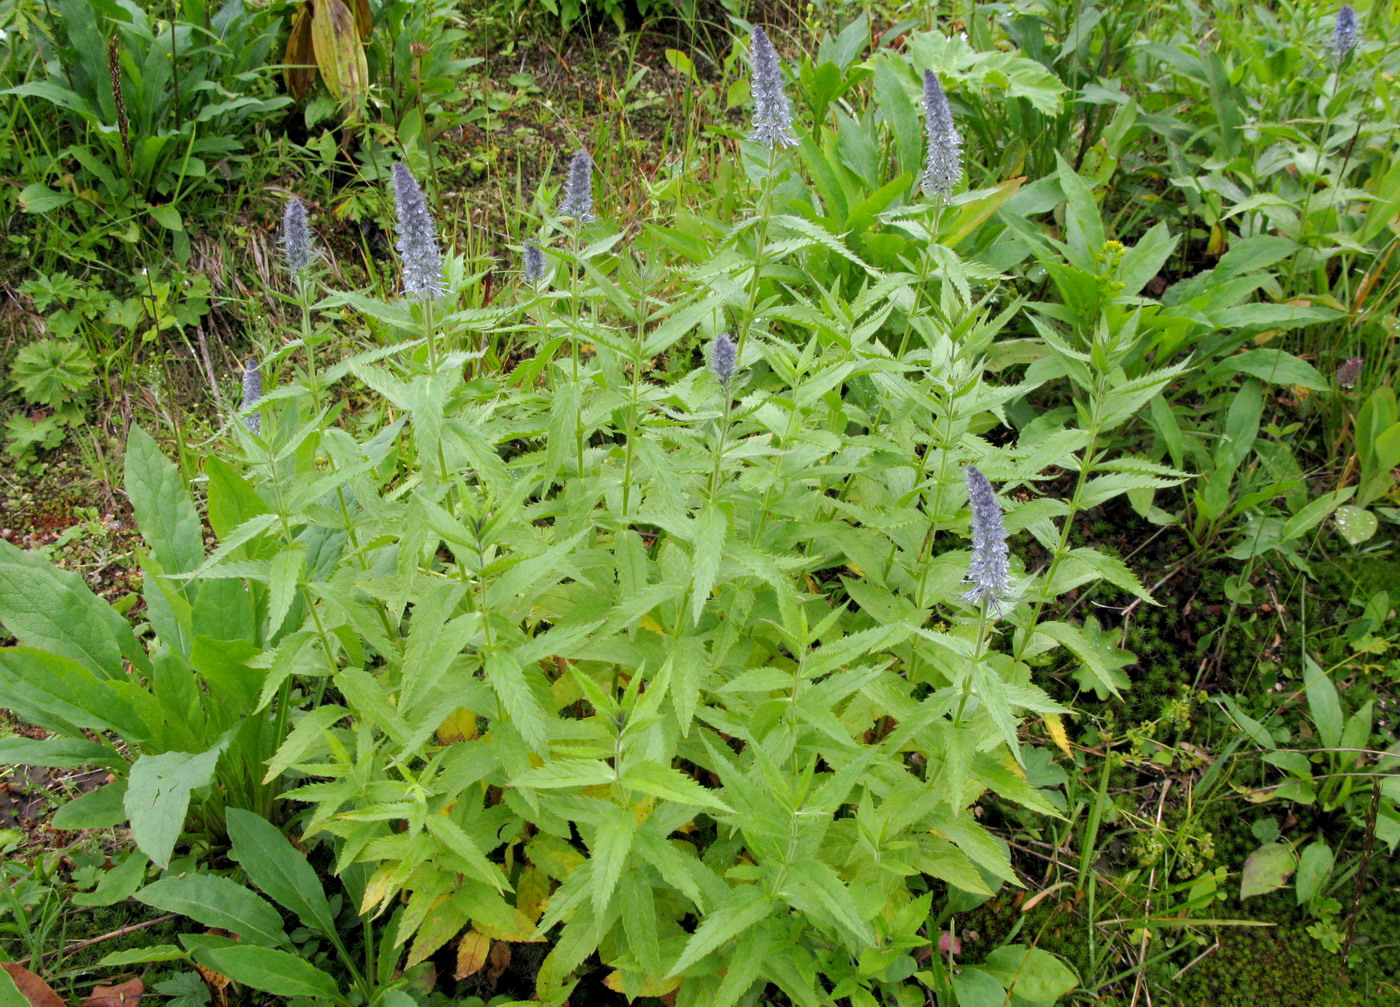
(339, 54)
(1056, 727)
(459, 726)
(381, 887)
(532, 892)
(471, 953)
(650, 623)
(521, 931)
(649, 988)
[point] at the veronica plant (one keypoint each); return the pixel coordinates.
(943, 160)
(252, 392)
(772, 127)
(578, 204)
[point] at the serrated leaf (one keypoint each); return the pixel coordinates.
(711, 528)
(566, 773)
(309, 732)
(456, 841)
(520, 691)
(745, 907)
(611, 843)
(671, 785)
(1100, 661)
(284, 572)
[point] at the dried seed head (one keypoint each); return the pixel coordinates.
(724, 354)
(418, 243)
(772, 116)
(1350, 372)
(252, 392)
(943, 164)
(534, 263)
(989, 573)
(296, 237)
(1345, 34)
(578, 189)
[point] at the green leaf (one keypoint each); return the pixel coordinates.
(1355, 524)
(521, 691)
(1030, 973)
(140, 956)
(279, 868)
(978, 988)
(10, 996)
(218, 902)
(1100, 661)
(711, 528)
(118, 884)
(285, 571)
(64, 696)
(745, 907)
(819, 892)
(266, 969)
(1323, 703)
(455, 840)
(1266, 869)
(17, 750)
(1314, 867)
(566, 773)
(1277, 366)
(167, 215)
(941, 859)
(672, 785)
(38, 198)
(51, 609)
(158, 795)
(232, 498)
(164, 511)
(97, 809)
(309, 733)
(609, 849)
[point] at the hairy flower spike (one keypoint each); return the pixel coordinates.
(534, 263)
(252, 391)
(943, 164)
(418, 243)
(772, 116)
(578, 189)
(296, 237)
(1345, 35)
(989, 573)
(1350, 372)
(724, 354)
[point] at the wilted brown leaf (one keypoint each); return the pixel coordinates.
(500, 961)
(35, 990)
(128, 994)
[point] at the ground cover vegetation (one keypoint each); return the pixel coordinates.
(700, 504)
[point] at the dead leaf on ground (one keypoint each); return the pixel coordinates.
(500, 961)
(35, 990)
(128, 994)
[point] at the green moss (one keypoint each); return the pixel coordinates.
(1277, 967)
